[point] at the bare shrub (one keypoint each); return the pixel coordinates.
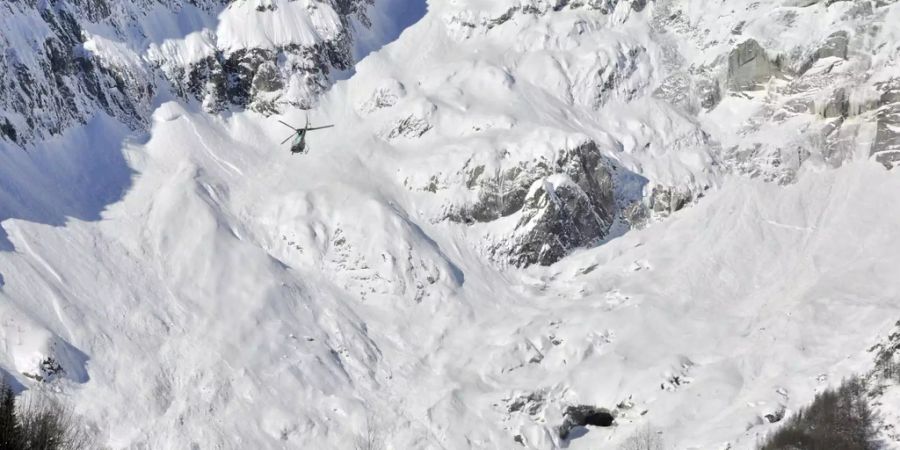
(49, 425)
(40, 423)
(644, 439)
(372, 438)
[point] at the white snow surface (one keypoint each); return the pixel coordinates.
(204, 288)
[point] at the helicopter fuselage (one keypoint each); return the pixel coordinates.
(299, 137)
(299, 143)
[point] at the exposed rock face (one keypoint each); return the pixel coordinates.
(387, 94)
(506, 193)
(820, 83)
(669, 199)
(255, 77)
(562, 204)
(693, 91)
(834, 46)
(886, 148)
(57, 82)
(530, 403)
(605, 6)
(638, 5)
(561, 215)
(838, 105)
(748, 66)
(886, 353)
(412, 126)
(84, 57)
(708, 91)
(486, 22)
(614, 77)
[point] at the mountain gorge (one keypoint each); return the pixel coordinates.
(675, 214)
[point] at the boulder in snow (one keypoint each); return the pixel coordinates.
(584, 415)
(749, 65)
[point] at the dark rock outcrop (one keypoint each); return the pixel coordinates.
(835, 45)
(886, 148)
(749, 65)
(530, 403)
(604, 6)
(56, 83)
(560, 217)
(709, 92)
(564, 204)
(244, 77)
(691, 91)
(584, 415)
(58, 79)
(669, 199)
(777, 415)
(838, 105)
(614, 79)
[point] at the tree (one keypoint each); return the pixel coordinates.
(40, 423)
(10, 431)
(838, 419)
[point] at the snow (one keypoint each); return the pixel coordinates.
(203, 287)
(302, 23)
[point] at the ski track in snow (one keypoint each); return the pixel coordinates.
(41, 261)
(221, 162)
(791, 227)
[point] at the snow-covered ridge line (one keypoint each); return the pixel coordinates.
(674, 106)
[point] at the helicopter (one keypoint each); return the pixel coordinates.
(299, 136)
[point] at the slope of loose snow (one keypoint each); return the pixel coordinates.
(203, 288)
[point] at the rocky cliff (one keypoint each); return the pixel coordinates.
(66, 61)
(670, 94)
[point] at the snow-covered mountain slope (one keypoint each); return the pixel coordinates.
(664, 209)
(66, 61)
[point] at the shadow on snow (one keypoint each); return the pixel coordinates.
(73, 175)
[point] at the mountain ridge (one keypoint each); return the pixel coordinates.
(525, 206)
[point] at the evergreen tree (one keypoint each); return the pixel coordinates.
(838, 419)
(10, 429)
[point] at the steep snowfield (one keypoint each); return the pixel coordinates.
(202, 288)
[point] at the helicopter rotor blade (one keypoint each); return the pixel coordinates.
(289, 126)
(288, 138)
(319, 128)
